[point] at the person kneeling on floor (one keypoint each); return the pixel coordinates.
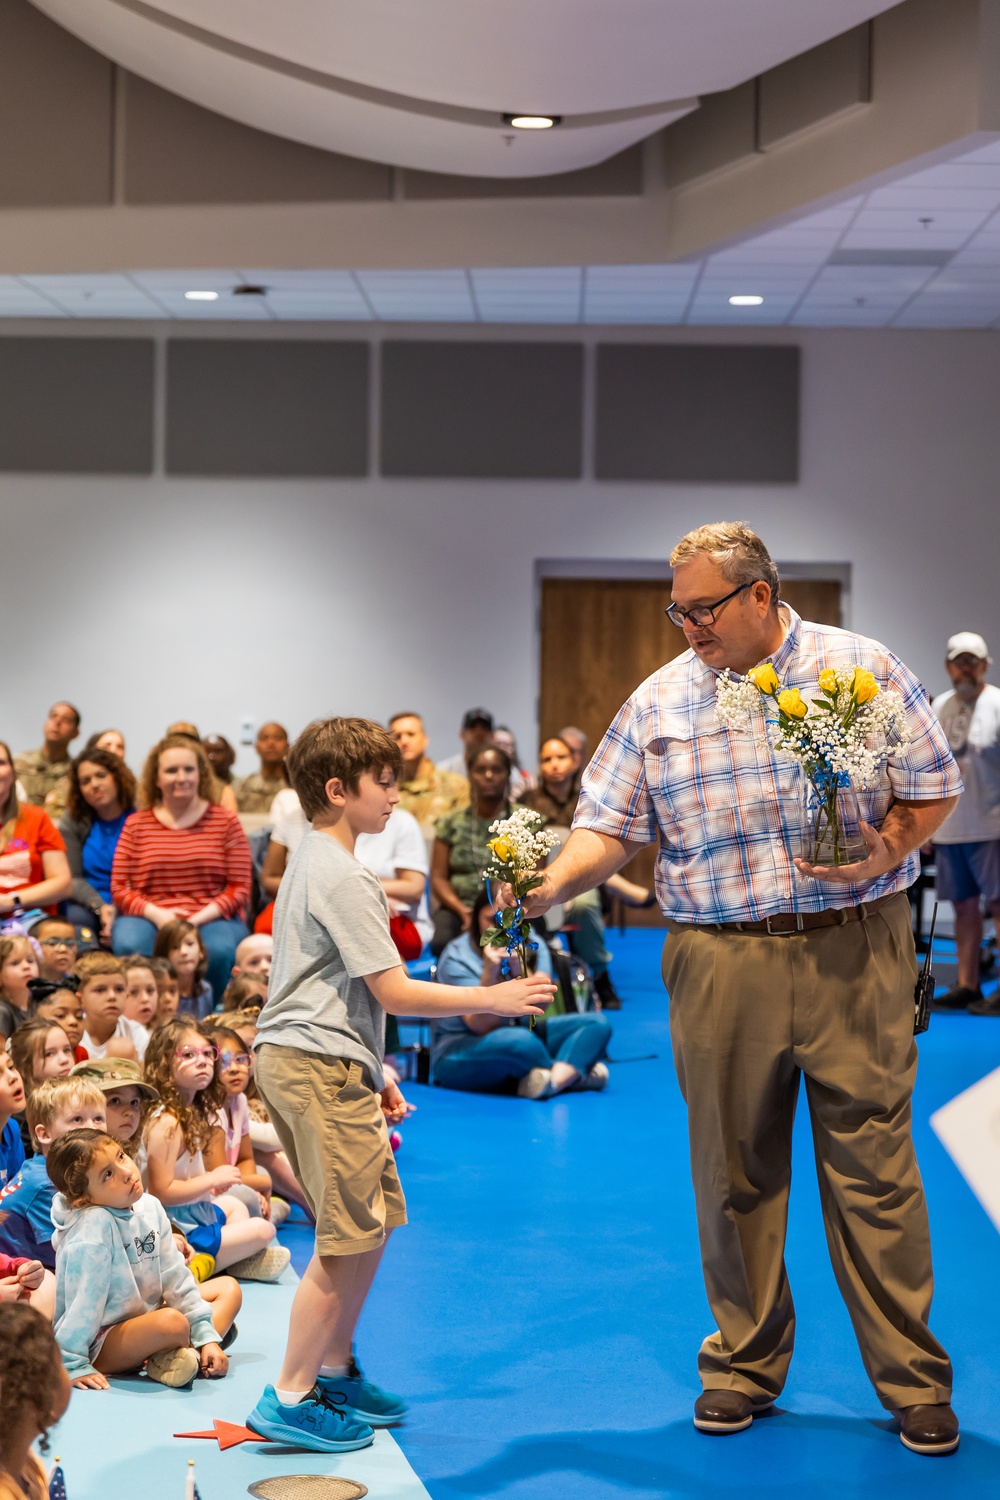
(124, 1297)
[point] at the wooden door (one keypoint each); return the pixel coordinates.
(602, 637)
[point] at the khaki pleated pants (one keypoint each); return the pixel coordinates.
(748, 1014)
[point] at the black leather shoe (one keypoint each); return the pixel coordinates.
(984, 1006)
(932, 1430)
(723, 1411)
(606, 992)
(959, 997)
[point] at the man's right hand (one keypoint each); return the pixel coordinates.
(535, 904)
(522, 997)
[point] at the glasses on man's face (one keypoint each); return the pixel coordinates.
(703, 614)
(234, 1059)
(69, 943)
(196, 1054)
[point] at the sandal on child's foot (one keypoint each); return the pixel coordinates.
(173, 1367)
(266, 1265)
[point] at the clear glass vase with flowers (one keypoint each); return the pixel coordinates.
(841, 740)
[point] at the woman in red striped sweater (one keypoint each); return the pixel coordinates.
(181, 856)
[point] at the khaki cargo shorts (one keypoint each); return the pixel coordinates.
(331, 1126)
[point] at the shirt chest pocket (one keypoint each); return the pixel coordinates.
(719, 784)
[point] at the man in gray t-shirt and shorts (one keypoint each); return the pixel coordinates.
(967, 845)
(319, 1048)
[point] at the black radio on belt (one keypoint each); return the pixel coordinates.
(923, 992)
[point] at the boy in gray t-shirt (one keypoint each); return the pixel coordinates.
(336, 972)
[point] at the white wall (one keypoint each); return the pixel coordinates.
(146, 600)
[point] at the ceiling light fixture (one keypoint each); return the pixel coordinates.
(750, 300)
(245, 289)
(202, 296)
(532, 122)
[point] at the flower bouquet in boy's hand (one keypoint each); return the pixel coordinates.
(842, 739)
(520, 845)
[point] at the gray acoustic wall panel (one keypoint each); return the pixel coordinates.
(482, 411)
(710, 412)
(82, 405)
(269, 407)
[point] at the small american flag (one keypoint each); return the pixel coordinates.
(190, 1488)
(57, 1483)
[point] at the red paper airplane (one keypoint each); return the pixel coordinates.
(228, 1434)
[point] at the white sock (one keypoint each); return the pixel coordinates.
(290, 1398)
(333, 1372)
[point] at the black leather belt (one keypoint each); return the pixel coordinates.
(788, 923)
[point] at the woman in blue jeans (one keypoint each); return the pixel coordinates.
(481, 1053)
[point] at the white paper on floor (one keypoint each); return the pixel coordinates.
(968, 1127)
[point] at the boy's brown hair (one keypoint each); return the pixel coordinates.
(138, 961)
(53, 1094)
(341, 748)
(88, 965)
(241, 993)
(69, 1160)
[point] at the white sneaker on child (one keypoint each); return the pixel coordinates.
(279, 1211)
(174, 1367)
(536, 1084)
(266, 1265)
(596, 1079)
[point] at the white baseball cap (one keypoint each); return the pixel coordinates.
(967, 643)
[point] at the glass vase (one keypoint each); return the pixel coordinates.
(830, 824)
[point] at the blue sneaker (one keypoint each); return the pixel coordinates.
(316, 1423)
(361, 1398)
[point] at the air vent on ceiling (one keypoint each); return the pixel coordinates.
(890, 257)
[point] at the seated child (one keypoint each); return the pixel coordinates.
(57, 943)
(181, 943)
(34, 1394)
(232, 1143)
(108, 1032)
(40, 1049)
(263, 1136)
(124, 1297)
(60, 1004)
(241, 994)
(180, 1064)
(127, 1097)
(12, 1102)
(141, 996)
(167, 990)
(55, 1108)
(18, 965)
(253, 961)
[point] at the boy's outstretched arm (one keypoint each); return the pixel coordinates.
(400, 995)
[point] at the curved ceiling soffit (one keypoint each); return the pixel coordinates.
(320, 109)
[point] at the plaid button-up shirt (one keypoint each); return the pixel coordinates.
(725, 811)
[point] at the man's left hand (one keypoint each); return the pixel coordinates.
(880, 860)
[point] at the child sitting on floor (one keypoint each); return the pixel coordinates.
(102, 995)
(263, 1136)
(60, 1004)
(18, 965)
(124, 1297)
(233, 1144)
(55, 1108)
(12, 1100)
(56, 941)
(167, 990)
(141, 997)
(181, 943)
(180, 1064)
(40, 1049)
(34, 1394)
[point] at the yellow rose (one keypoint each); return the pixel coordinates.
(828, 680)
(502, 850)
(791, 703)
(863, 685)
(764, 678)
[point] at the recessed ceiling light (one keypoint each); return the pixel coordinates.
(532, 122)
(246, 289)
(745, 301)
(202, 296)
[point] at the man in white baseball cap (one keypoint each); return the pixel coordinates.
(967, 845)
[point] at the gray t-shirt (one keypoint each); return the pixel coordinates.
(331, 926)
(973, 731)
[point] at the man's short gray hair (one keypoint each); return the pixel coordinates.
(737, 550)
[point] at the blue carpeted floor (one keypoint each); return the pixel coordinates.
(544, 1307)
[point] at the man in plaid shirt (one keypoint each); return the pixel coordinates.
(777, 968)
